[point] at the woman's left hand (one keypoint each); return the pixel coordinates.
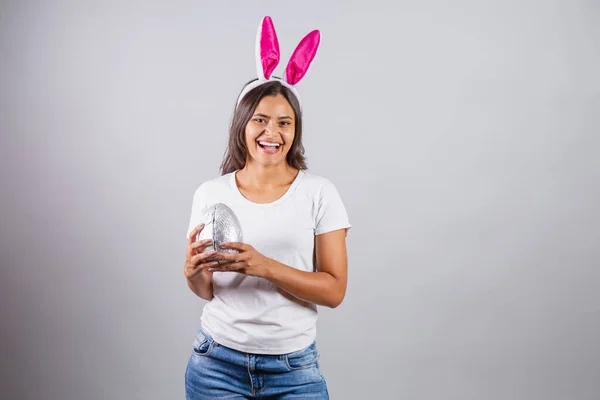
(248, 261)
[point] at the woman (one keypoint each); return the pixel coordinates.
(258, 330)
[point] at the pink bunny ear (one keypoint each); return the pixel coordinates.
(302, 57)
(267, 49)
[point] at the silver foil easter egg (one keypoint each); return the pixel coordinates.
(221, 225)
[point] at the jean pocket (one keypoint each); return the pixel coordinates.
(307, 357)
(202, 344)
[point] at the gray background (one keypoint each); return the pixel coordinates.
(463, 137)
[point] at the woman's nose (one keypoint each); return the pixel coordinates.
(271, 127)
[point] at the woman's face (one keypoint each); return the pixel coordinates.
(270, 131)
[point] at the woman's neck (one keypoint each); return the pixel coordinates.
(261, 176)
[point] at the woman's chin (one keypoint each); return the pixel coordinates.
(268, 160)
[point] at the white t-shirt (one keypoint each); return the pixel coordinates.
(251, 314)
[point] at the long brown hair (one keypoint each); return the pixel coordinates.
(237, 152)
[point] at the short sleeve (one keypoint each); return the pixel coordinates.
(199, 206)
(331, 213)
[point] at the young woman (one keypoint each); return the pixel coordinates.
(258, 330)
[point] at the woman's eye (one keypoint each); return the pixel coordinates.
(259, 120)
(285, 123)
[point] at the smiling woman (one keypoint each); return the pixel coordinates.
(260, 122)
(264, 112)
(258, 330)
(271, 127)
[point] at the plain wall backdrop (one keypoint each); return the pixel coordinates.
(464, 138)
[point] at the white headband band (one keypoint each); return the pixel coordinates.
(268, 57)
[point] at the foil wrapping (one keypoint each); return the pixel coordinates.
(221, 225)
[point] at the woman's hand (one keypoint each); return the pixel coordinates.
(248, 261)
(198, 261)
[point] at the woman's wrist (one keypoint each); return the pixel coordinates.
(269, 269)
(201, 284)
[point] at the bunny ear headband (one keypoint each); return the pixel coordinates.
(268, 57)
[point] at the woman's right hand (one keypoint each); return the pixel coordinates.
(197, 261)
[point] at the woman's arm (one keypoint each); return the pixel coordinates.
(201, 285)
(326, 286)
(197, 265)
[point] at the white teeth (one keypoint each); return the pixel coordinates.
(269, 144)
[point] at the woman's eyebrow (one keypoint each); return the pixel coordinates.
(266, 116)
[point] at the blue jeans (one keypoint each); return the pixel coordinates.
(215, 371)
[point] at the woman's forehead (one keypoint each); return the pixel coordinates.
(274, 106)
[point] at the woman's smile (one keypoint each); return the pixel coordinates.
(268, 147)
